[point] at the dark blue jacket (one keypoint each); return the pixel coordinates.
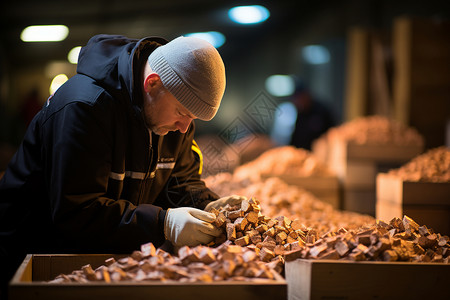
(88, 176)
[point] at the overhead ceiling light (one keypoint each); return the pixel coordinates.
(215, 38)
(72, 57)
(44, 33)
(57, 81)
(316, 54)
(250, 14)
(280, 85)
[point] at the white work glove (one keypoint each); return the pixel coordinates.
(187, 226)
(221, 202)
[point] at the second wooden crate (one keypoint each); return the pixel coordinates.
(325, 188)
(426, 202)
(336, 279)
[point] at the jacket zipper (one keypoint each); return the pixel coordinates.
(149, 166)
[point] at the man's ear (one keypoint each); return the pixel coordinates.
(152, 81)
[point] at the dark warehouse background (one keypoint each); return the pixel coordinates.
(251, 53)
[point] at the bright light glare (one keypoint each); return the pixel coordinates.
(57, 81)
(287, 113)
(215, 38)
(284, 123)
(280, 85)
(72, 57)
(44, 33)
(250, 14)
(316, 54)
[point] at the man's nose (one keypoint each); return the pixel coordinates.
(183, 124)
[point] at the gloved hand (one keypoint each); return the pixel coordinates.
(221, 202)
(187, 226)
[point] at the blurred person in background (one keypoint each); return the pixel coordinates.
(313, 117)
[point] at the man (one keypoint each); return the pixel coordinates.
(313, 117)
(110, 163)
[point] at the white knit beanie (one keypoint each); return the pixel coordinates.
(193, 71)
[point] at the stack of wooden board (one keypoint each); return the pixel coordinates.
(421, 81)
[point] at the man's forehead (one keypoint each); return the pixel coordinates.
(185, 111)
(180, 106)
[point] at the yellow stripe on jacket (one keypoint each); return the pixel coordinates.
(197, 150)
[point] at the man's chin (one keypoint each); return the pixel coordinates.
(161, 131)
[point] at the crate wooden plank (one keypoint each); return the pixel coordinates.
(359, 200)
(385, 211)
(434, 216)
(326, 189)
(426, 202)
(337, 157)
(50, 266)
(383, 153)
(329, 279)
(334, 199)
(358, 165)
(360, 174)
(167, 291)
(312, 182)
(394, 189)
(24, 286)
(320, 149)
(347, 150)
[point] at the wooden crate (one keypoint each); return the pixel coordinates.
(359, 200)
(357, 165)
(320, 150)
(29, 283)
(435, 217)
(331, 279)
(394, 189)
(428, 203)
(324, 188)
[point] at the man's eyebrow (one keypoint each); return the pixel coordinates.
(187, 113)
(191, 116)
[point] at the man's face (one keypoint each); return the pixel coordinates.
(163, 112)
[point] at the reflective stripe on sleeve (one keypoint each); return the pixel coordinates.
(170, 165)
(121, 176)
(117, 176)
(135, 175)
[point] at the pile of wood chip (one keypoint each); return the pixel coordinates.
(244, 225)
(254, 247)
(199, 264)
(432, 166)
(281, 238)
(278, 198)
(376, 130)
(295, 161)
(400, 240)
